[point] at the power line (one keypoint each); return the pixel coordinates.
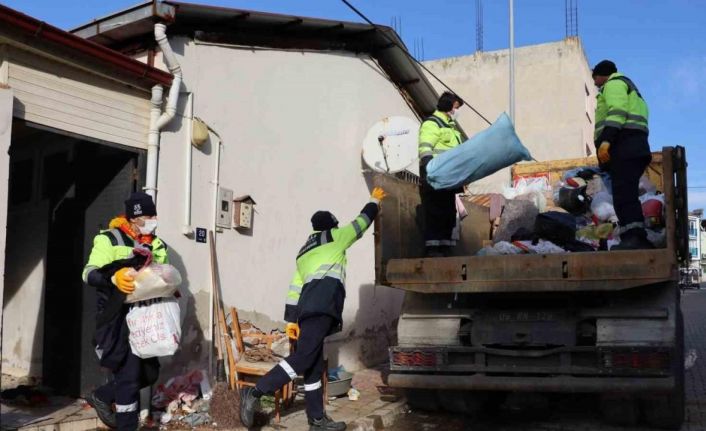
(411, 57)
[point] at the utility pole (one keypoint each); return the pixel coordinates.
(512, 62)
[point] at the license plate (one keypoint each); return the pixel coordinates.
(526, 316)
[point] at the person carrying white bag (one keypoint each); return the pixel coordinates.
(129, 245)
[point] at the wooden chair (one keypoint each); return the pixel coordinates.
(247, 372)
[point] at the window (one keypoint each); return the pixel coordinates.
(694, 252)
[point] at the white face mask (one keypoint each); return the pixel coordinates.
(454, 115)
(149, 227)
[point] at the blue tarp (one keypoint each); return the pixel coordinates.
(487, 152)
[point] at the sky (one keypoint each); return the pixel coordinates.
(660, 45)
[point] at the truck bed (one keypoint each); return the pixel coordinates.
(399, 245)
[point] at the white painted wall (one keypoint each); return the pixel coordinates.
(292, 125)
(554, 115)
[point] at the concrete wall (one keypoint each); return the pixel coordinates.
(292, 125)
(554, 98)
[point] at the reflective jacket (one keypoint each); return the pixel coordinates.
(437, 134)
(318, 284)
(620, 107)
(112, 250)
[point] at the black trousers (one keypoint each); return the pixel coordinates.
(439, 208)
(124, 390)
(307, 360)
(625, 177)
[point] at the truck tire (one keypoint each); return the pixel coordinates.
(667, 411)
(422, 399)
(619, 409)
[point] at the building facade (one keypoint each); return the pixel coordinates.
(557, 74)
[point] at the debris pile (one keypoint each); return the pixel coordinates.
(574, 215)
(261, 346)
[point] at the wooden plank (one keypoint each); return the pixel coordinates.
(235, 327)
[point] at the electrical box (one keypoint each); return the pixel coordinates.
(225, 208)
(243, 212)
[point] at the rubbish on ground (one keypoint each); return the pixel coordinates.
(690, 359)
(30, 396)
(353, 394)
(495, 148)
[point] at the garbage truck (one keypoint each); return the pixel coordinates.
(473, 328)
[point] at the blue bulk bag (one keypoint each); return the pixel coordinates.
(487, 152)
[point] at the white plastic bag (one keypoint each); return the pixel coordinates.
(602, 207)
(156, 280)
(155, 328)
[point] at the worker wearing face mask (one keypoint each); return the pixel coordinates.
(124, 247)
(437, 134)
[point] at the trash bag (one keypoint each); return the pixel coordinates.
(653, 210)
(517, 214)
(559, 228)
(156, 280)
(602, 207)
(155, 328)
(574, 200)
(487, 152)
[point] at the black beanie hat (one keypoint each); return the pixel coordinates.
(323, 220)
(604, 68)
(140, 204)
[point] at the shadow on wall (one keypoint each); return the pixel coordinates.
(373, 330)
(194, 347)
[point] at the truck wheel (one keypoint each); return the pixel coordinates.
(621, 410)
(457, 402)
(422, 399)
(667, 411)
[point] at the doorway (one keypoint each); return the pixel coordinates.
(63, 189)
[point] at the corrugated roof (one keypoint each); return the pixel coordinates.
(28, 31)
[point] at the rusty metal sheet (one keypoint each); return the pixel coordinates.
(532, 273)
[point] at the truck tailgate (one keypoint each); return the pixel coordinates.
(532, 273)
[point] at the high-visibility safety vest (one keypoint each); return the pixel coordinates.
(621, 106)
(111, 336)
(438, 133)
(318, 283)
(113, 244)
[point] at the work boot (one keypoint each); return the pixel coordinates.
(249, 405)
(633, 239)
(103, 410)
(326, 424)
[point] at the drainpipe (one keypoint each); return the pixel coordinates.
(186, 228)
(160, 119)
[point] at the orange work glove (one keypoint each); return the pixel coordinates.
(604, 152)
(124, 281)
(292, 331)
(378, 194)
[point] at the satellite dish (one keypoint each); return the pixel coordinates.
(391, 144)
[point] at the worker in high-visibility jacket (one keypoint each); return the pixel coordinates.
(621, 142)
(438, 133)
(314, 310)
(124, 246)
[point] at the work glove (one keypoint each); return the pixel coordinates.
(604, 152)
(378, 194)
(124, 281)
(292, 331)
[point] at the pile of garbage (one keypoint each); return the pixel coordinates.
(261, 346)
(574, 215)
